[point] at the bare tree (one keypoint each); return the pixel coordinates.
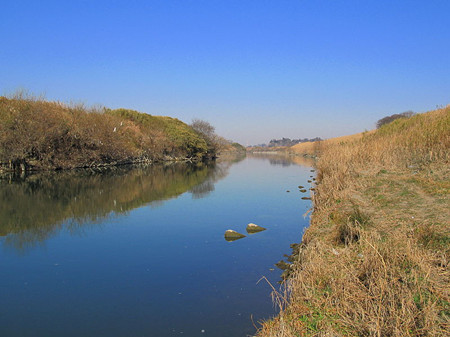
(205, 129)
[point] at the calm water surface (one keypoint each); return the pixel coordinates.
(141, 251)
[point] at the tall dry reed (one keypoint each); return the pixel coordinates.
(366, 266)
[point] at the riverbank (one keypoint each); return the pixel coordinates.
(374, 261)
(40, 135)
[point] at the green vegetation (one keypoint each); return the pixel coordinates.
(37, 134)
(233, 149)
(374, 261)
(182, 139)
(238, 147)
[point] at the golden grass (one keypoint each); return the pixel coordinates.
(312, 148)
(374, 261)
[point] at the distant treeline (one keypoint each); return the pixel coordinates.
(288, 142)
(38, 134)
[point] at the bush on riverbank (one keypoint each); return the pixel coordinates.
(35, 133)
(374, 261)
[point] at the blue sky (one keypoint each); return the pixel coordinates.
(256, 70)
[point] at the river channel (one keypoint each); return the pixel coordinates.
(140, 251)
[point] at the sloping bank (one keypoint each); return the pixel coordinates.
(374, 261)
(37, 134)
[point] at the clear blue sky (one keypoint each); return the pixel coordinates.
(256, 70)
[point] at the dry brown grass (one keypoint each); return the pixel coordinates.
(38, 134)
(374, 261)
(313, 148)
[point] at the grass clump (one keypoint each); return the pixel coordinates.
(374, 261)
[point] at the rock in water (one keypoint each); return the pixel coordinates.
(231, 235)
(252, 228)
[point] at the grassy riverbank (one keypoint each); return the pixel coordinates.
(38, 134)
(374, 261)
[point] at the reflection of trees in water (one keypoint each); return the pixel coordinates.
(202, 190)
(35, 207)
(220, 171)
(280, 161)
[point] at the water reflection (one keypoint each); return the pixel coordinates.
(151, 272)
(34, 207)
(283, 159)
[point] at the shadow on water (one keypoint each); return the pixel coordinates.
(37, 206)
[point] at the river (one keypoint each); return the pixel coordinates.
(140, 251)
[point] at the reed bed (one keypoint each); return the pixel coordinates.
(374, 261)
